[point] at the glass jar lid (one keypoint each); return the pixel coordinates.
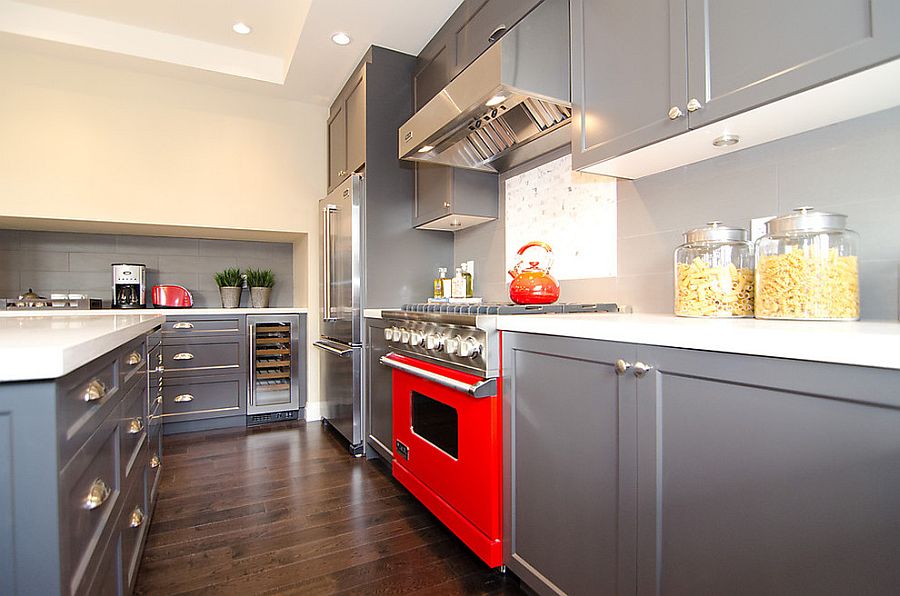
(716, 232)
(806, 219)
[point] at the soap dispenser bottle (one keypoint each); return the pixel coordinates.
(468, 277)
(458, 287)
(439, 282)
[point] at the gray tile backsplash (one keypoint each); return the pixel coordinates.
(851, 168)
(55, 261)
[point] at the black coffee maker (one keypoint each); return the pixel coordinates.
(129, 285)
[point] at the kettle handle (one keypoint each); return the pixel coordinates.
(538, 244)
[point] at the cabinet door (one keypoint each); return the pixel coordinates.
(628, 73)
(356, 127)
(434, 188)
(766, 476)
(569, 423)
(745, 54)
(379, 400)
(337, 147)
(433, 73)
(487, 24)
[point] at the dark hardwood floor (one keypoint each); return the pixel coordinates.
(283, 509)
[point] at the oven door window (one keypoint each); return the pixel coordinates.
(436, 422)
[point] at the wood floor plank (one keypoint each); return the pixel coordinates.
(284, 509)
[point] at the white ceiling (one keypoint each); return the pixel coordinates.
(289, 53)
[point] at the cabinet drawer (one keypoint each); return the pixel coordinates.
(105, 580)
(132, 431)
(132, 361)
(84, 400)
(133, 523)
(199, 398)
(201, 327)
(201, 356)
(90, 488)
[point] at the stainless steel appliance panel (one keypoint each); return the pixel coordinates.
(341, 255)
(340, 389)
(274, 364)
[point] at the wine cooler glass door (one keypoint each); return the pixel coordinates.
(273, 365)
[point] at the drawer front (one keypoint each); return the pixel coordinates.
(132, 361)
(201, 356)
(90, 490)
(85, 399)
(133, 524)
(133, 430)
(200, 398)
(106, 573)
(201, 327)
(154, 463)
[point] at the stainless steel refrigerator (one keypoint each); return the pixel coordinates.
(340, 341)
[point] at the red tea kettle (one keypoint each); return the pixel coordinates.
(533, 284)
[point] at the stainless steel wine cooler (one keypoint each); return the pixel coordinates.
(276, 370)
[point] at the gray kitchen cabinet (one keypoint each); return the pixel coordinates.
(355, 108)
(433, 70)
(337, 146)
(766, 476)
(569, 428)
(745, 54)
(379, 399)
(735, 474)
(445, 196)
(486, 25)
(644, 72)
(74, 516)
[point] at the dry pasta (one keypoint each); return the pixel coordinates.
(807, 283)
(704, 291)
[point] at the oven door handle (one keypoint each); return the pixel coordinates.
(484, 388)
(338, 350)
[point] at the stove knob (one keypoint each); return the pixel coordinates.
(415, 338)
(469, 348)
(388, 333)
(395, 334)
(404, 336)
(434, 341)
(452, 345)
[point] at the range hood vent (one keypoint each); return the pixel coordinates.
(508, 106)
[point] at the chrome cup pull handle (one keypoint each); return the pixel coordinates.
(134, 359)
(155, 462)
(135, 425)
(183, 325)
(183, 398)
(183, 356)
(97, 494)
(95, 390)
(136, 519)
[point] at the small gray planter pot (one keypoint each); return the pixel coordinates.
(259, 297)
(231, 296)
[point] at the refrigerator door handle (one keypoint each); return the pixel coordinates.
(327, 263)
(340, 352)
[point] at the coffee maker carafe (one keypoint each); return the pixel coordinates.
(129, 282)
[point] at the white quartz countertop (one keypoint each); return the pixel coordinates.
(859, 343)
(273, 310)
(47, 345)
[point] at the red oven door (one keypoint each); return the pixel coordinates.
(448, 450)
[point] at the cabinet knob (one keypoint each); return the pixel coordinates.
(694, 105)
(136, 519)
(622, 367)
(97, 494)
(641, 369)
(675, 113)
(94, 391)
(446, 205)
(133, 359)
(154, 462)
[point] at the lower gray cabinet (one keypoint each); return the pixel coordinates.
(379, 400)
(689, 472)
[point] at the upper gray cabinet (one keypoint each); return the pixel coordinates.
(451, 199)
(488, 24)
(644, 72)
(347, 130)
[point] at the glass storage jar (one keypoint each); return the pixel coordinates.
(714, 273)
(806, 268)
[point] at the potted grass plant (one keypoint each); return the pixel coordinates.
(230, 287)
(260, 282)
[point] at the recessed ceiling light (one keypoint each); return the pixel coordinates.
(341, 38)
(241, 28)
(425, 148)
(495, 101)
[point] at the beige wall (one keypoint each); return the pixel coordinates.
(148, 154)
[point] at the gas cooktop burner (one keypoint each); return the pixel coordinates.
(503, 308)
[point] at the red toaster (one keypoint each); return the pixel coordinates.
(171, 297)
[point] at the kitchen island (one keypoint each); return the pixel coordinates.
(80, 449)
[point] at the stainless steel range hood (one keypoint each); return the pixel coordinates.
(511, 105)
